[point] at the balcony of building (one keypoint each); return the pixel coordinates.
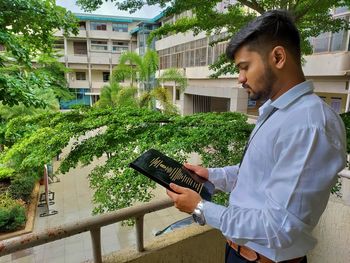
(74, 236)
(191, 243)
(77, 84)
(102, 58)
(328, 64)
(82, 33)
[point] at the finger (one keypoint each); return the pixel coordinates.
(171, 194)
(177, 188)
(190, 166)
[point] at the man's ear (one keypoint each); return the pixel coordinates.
(279, 57)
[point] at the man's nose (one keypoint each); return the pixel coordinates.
(242, 78)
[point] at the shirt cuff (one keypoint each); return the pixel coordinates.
(213, 213)
(214, 174)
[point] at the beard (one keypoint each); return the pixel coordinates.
(267, 80)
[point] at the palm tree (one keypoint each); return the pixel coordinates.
(141, 69)
(135, 67)
(176, 76)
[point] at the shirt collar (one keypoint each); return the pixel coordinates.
(293, 94)
(287, 98)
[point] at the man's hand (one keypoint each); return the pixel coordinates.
(199, 170)
(184, 199)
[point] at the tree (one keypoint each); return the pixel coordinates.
(138, 68)
(125, 133)
(311, 16)
(26, 31)
(114, 95)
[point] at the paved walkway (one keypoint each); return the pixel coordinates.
(73, 202)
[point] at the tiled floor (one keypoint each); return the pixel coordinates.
(72, 201)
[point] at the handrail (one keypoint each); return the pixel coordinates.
(92, 224)
(344, 174)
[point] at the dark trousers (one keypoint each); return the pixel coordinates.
(231, 256)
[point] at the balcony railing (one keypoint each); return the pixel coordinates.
(92, 224)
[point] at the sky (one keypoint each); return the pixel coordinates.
(109, 9)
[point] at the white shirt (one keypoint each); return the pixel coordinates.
(283, 185)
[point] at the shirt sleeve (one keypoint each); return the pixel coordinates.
(297, 190)
(224, 178)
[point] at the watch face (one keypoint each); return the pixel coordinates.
(198, 219)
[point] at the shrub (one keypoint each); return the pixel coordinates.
(6, 172)
(12, 213)
(21, 187)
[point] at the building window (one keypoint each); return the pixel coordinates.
(120, 46)
(192, 54)
(328, 41)
(105, 76)
(98, 26)
(82, 25)
(320, 43)
(336, 104)
(338, 40)
(80, 75)
(80, 48)
(177, 95)
(59, 44)
(99, 45)
(120, 27)
(251, 103)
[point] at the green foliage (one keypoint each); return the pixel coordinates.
(22, 186)
(163, 96)
(346, 119)
(312, 17)
(26, 31)
(124, 133)
(132, 65)
(6, 172)
(175, 75)
(135, 67)
(12, 213)
(336, 190)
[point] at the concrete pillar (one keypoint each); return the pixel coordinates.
(238, 100)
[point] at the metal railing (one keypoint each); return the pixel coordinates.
(344, 174)
(92, 224)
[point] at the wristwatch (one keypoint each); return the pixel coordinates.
(198, 215)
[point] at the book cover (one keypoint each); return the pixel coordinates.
(165, 170)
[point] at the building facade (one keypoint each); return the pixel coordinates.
(92, 54)
(328, 67)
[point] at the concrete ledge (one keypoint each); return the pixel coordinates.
(333, 234)
(190, 244)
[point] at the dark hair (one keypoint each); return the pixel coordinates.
(275, 27)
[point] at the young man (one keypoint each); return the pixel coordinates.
(282, 184)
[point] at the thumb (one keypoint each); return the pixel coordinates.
(190, 167)
(178, 189)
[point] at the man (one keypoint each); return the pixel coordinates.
(282, 184)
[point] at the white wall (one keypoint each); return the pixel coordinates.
(330, 64)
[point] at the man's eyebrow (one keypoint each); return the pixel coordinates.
(241, 64)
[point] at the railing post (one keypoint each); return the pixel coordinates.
(96, 244)
(139, 233)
